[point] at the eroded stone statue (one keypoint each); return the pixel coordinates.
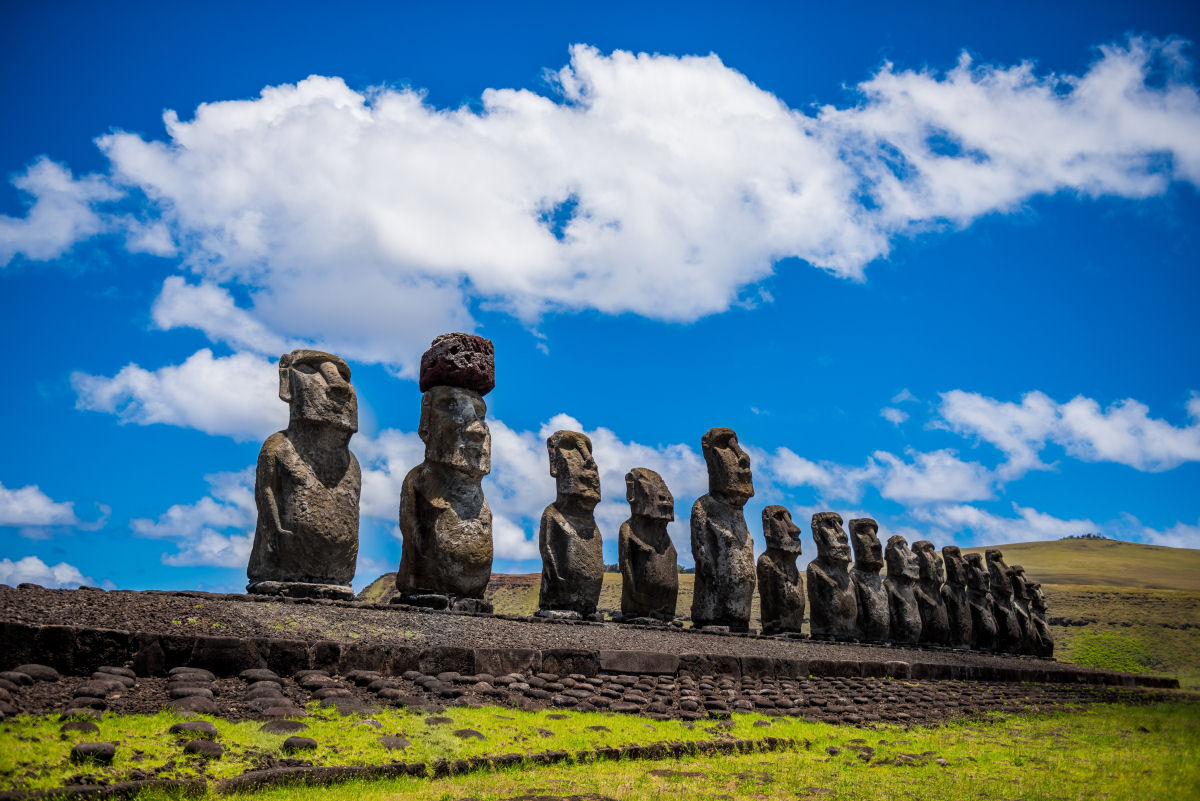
(873, 614)
(984, 635)
(307, 485)
(1021, 598)
(1037, 606)
(935, 621)
(445, 520)
(721, 542)
(903, 573)
(954, 596)
(1009, 633)
(832, 600)
(780, 588)
(572, 555)
(649, 563)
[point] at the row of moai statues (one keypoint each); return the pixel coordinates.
(308, 485)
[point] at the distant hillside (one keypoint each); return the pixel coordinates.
(1105, 563)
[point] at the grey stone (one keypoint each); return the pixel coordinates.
(39, 672)
(649, 562)
(721, 543)
(984, 634)
(780, 588)
(954, 596)
(459, 360)
(871, 595)
(80, 726)
(935, 620)
(901, 583)
(308, 483)
(98, 752)
(1020, 587)
(205, 748)
(569, 540)
(832, 600)
(195, 728)
(1009, 633)
(1037, 606)
(295, 743)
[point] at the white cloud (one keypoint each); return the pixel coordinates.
(235, 396)
(1124, 433)
(1029, 525)
(196, 528)
(833, 481)
(211, 309)
(1180, 535)
(893, 416)
(35, 571)
(29, 506)
(60, 216)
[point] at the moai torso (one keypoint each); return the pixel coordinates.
(873, 612)
(1031, 637)
(901, 583)
(569, 541)
(832, 600)
(780, 588)
(985, 635)
(1037, 605)
(954, 596)
(649, 563)
(1009, 632)
(935, 621)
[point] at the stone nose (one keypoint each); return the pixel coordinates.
(475, 431)
(333, 377)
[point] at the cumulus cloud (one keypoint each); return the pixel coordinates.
(1124, 433)
(1029, 525)
(893, 415)
(29, 506)
(200, 530)
(61, 214)
(35, 571)
(659, 185)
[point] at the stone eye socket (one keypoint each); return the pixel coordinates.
(305, 367)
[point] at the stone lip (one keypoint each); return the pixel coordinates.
(459, 360)
(301, 589)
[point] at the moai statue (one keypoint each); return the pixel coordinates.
(1021, 599)
(903, 573)
(649, 563)
(307, 485)
(1037, 606)
(721, 542)
(832, 603)
(873, 614)
(954, 596)
(572, 553)
(1008, 626)
(935, 622)
(780, 588)
(446, 560)
(985, 635)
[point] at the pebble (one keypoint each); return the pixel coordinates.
(81, 726)
(39, 672)
(204, 748)
(299, 744)
(100, 752)
(282, 726)
(198, 728)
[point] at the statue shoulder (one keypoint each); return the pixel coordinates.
(275, 446)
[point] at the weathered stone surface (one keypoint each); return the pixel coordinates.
(721, 543)
(954, 596)
(205, 748)
(39, 672)
(984, 634)
(649, 562)
(780, 588)
(1030, 637)
(1009, 632)
(1037, 605)
(832, 600)
(901, 583)
(308, 483)
(873, 612)
(935, 621)
(102, 753)
(459, 360)
(569, 540)
(638, 662)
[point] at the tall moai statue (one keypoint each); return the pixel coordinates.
(903, 573)
(985, 635)
(1037, 606)
(572, 552)
(446, 559)
(832, 601)
(1021, 600)
(721, 543)
(1009, 633)
(649, 563)
(307, 485)
(873, 613)
(954, 596)
(780, 588)
(935, 621)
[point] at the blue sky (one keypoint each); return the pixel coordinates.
(934, 264)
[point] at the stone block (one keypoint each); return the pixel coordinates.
(500, 661)
(443, 658)
(565, 661)
(93, 647)
(641, 662)
(710, 664)
(760, 666)
(325, 655)
(284, 657)
(225, 656)
(788, 668)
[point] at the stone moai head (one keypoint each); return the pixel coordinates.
(648, 495)
(956, 566)
(573, 467)
(1000, 579)
(456, 371)
(1020, 584)
(901, 562)
(929, 564)
(1037, 598)
(780, 533)
(977, 574)
(830, 538)
(868, 551)
(316, 386)
(729, 473)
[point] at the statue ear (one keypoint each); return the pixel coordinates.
(550, 450)
(285, 384)
(423, 425)
(630, 488)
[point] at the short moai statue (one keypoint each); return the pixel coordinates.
(1037, 606)
(445, 520)
(935, 621)
(832, 601)
(954, 596)
(780, 588)
(721, 543)
(307, 485)
(903, 573)
(1010, 635)
(572, 551)
(649, 562)
(873, 614)
(1020, 603)
(985, 635)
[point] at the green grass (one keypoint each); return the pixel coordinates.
(1105, 563)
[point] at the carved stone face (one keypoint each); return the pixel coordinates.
(830, 537)
(454, 430)
(998, 570)
(956, 566)
(1020, 584)
(728, 466)
(573, 467)
(648, 495)
(977, 574)
(901, 562)
(1037, 598)
(929, 563)
(779, 531)
(868, 551)
(317, 387)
